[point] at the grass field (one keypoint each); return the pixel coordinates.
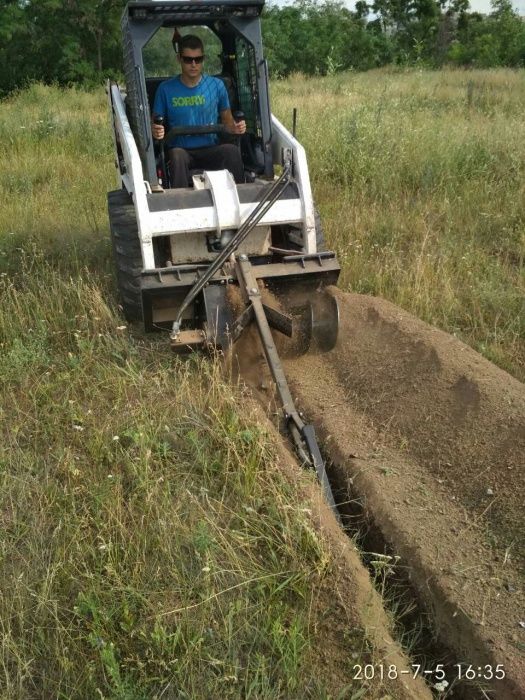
(149, 544)
(420, 180)
(112, 584)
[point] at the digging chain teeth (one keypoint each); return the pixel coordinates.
(303, 435)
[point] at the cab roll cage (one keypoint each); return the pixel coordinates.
(228, 19)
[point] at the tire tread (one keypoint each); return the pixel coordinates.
(127, 255)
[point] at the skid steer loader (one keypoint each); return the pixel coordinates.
(180, 252)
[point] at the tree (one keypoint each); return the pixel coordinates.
(101, 20)
(319, 37)
(509, 32)
(497, 40)
(62, 41)
(14, 37)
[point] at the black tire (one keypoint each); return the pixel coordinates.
(127, 255)
(319, 233)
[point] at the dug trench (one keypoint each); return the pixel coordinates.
(428, 438)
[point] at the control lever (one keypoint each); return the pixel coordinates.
(238, 116)
(158, 119)
(159, 152)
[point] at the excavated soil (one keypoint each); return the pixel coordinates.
(348, 620)
(430, 437)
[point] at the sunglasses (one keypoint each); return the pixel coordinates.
(191, 59)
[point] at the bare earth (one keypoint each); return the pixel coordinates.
(431, 436)
(348, 613)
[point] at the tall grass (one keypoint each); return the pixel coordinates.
(149, 544)
(419, 177)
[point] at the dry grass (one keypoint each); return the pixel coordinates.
(419, 178)
(150, 545)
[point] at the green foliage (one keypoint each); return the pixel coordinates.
(322, 38)
(62, 42)
(79, 41)
(497, 40)
(315, 38)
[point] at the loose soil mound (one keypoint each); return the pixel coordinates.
(458, 414)
(432, 437)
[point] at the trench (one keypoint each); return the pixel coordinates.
(386, 363)
(412, 623)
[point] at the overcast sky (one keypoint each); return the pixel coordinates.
(475, 5)
(484, 6)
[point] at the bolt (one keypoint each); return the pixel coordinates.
(253, 290)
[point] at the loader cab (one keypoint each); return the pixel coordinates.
(231, 33)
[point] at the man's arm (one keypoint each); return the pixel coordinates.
(232, 127)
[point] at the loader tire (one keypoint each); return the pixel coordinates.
(127, 256)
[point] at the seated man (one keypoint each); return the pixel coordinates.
(195, 99)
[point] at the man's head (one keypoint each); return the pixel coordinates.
(191, 56)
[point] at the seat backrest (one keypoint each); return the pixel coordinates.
(151, 88)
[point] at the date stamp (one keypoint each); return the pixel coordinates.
(438, 674)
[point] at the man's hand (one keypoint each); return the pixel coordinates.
(236, 128)
(231, 126)
(158, 131)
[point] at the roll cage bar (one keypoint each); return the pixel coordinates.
(229, 20)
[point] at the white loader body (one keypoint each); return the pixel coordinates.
(227, 205)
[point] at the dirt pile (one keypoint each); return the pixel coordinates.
(457, 414)
(432, 437)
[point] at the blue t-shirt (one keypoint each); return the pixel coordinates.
(181, 105)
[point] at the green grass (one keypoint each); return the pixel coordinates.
(419, 178)
(149, 544)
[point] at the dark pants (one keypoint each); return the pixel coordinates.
(226, 156)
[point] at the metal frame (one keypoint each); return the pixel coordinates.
(228, 205)
(302, 434)
(298, 211)
(141, 20)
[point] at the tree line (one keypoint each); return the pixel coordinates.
(78, 41)
(314, 37)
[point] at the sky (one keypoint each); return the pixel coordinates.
(475, 5)
(484, 6)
